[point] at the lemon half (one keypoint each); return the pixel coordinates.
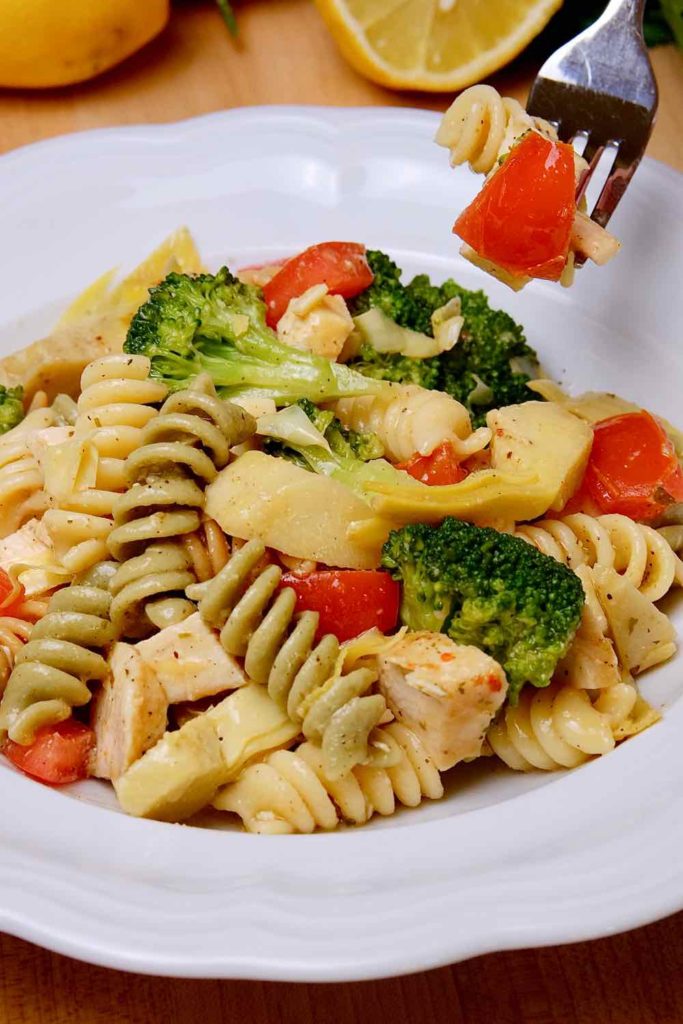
(433, 45)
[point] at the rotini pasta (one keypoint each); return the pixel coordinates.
(146, 591)
(291, 791)
(180, 451)
(21, 479)
(634, 550)
(561, 727)
(334, 708)
(117, 401)
(673, 535)
(409, 419)
(14, 633)
(208, 549)
(480, 126)
(61, 657)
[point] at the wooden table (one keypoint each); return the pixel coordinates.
(286, 56)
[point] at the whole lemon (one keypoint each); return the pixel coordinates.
(58, 42)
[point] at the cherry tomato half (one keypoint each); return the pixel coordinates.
(348, 601)
(342, 266)
(59, 753)
(438, 469)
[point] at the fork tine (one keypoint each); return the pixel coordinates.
(593, 151)
(613, 189)
(592, 154)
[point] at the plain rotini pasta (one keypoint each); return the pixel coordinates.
(117, 401)
(409, 419)
(62, 655)
(561, 727)
(291, 791)
(480, 126)
(673, 535)
(258, 623)
(14, 633)
(208, 549)
(634, 550)
(21, 478)
(180, 452)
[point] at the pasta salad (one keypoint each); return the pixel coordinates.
(292, 543)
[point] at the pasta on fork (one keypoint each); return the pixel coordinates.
(521, 155)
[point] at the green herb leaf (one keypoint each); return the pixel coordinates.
(228, 15)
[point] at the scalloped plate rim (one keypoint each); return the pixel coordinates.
(89, 941)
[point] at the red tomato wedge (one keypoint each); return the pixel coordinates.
(342, 266)
(11, 594)
(522, 218)
(438, 469)
(59, 753)
(633, 468)
(348, 601)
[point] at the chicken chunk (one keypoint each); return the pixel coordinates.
(30, 549)
(446, 693)
(30, 544)
(316, 322)
(128, 713)
(189, 662)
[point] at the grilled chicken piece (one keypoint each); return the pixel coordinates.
(189, 662)
(128, 713)
(446, 693)
(316, 322)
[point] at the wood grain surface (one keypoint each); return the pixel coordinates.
(285, 56)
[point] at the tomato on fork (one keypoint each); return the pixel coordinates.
(522, 218)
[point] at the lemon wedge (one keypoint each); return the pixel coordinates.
(433, 45)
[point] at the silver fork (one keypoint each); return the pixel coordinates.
(600, 86)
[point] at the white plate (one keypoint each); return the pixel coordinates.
(506, 860)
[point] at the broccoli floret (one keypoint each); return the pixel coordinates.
(386, 291)
(410, 305)
(491, 351)
(394, 299)
(488, 367)
(214, 323)
(488, 589)
(396, 368)
(11, 407)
